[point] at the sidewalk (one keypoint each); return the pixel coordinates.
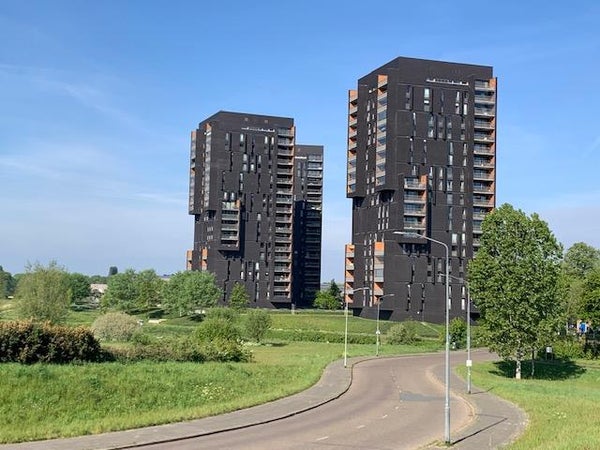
(495, 422)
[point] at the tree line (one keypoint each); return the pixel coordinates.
(48, 292)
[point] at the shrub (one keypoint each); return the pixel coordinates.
(567, 348)
(319, 336)
(159, 350)
(225, 350)
(458, 333)
(326, 300)
(229, 314)
(257, 324)
(28, 343)
(402, 333)
(115, 326)
(217, 328)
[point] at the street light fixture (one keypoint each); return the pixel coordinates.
(447, 352)
(346, 327)
(378, 333)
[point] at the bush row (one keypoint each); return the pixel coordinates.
(319, 336)
(27, 342)
(181, 349)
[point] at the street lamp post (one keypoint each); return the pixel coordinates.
(346, 327)
(447, 352)
(469, 362)
(378, 333)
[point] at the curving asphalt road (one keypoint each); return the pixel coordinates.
(380, 403)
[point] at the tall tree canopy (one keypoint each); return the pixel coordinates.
(131, 291)
(513, 280)
(44, 293)
(190, 290)
(580, 259)
(80, 286)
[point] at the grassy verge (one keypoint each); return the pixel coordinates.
(48, 401)
(561, 402)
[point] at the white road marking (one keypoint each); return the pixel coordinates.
(323, 438)
(384, 416)
(360, 426)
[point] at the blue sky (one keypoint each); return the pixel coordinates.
(97, 100)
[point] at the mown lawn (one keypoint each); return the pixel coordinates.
(562, 402)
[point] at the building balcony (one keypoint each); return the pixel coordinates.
(414, 225)
(352, 109)
(478, 137)
(414, 199)
(483, 202)
(284, 152)
(419, 212)
(285, 132)
(483, 125)
(484, 112)
(485, 99)
(483, 150)
(485, 163)
(414, 185)
(477, 175)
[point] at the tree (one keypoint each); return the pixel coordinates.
(580, 259)
(325, 300)
(148, 287)
(80, 286)
(190, 290)
(112, 270)
(239, 298)
(590, 305)
(257, 324)
(44, 293)
(335, 290)
(513, 280)
(121, 291)
(7, 284)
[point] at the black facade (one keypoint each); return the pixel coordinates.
(308, 200)
(421, 159)
(242, 198)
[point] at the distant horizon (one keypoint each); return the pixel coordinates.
(99, 101)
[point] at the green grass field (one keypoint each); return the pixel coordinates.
(561, 402)
(46, 401)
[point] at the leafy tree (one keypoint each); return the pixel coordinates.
(121, 291)
(580, 259)
(513, 280)
(239, 298)
(148, 287)
(257, 324)
(335, 290)
(44, 293)
(325, 300)
(112, 270)
(80, 286)
(590, 307)
(7, 284)
(190, 290)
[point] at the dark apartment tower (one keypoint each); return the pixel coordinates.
(242, 187)
(308, 199)
(421, 159)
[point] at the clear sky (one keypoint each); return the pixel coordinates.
(97, 100)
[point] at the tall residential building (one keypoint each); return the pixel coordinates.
(247, 177)
(421, 159)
